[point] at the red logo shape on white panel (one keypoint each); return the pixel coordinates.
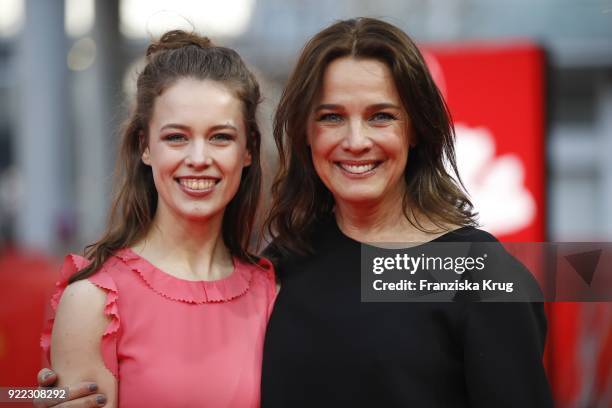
(495, 183)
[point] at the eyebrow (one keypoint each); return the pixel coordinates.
(327, 106)
(331, 106)
(224, 127)
(174, 126)
(186, 128)
(384, 106)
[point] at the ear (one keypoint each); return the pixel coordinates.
(247, 159)
(146, 155)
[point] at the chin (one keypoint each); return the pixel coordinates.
(364, 198)
(199, 215)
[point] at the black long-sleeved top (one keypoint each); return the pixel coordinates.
(324, 347)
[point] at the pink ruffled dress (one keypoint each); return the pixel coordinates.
(179, 343)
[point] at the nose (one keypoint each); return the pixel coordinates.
(356, 139)
(198, 156)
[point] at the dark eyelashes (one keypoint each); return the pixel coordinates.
(384, 116)
(177, 137)
(173, 137)
(335, 117)
(222, 136)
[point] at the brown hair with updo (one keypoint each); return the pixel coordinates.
(177, 55)
(299, 196)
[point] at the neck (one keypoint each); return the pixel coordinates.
(368, 223)
(189, 249)
(383, 221)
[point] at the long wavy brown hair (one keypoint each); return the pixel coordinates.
(178, 54)
(299, 196)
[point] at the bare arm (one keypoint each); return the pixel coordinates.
(76, 353)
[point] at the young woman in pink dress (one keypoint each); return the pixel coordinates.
(169, 308)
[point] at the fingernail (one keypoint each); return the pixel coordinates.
(93, 387)
(101, 400)
(46, 375)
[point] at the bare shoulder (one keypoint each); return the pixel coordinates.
(77, 331)
(82, 303)
(76, 339)
(82, 290)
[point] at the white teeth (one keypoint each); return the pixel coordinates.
(357, 169)
(197, 184)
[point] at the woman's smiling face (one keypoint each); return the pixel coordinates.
(196, 148)
(359, 133)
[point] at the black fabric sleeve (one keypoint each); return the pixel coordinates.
(503, 350)
(503, 342)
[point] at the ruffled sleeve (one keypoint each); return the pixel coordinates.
(270, 277)
(103, 280)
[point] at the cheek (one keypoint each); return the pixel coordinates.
(161, 157)
(232, 161)
(321, 144)
(395, 143)
(158, 168)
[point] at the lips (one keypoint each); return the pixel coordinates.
(358, 167)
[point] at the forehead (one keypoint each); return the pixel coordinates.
(349, 79)
(189, 100)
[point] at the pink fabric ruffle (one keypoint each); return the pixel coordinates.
(171, 287)
(268, 269)
(72, 264)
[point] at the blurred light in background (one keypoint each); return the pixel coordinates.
(146, 18)
(82, 54)
(79, 17)
(11, 17)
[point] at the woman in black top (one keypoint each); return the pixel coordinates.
(364, 135)
(324, 347)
